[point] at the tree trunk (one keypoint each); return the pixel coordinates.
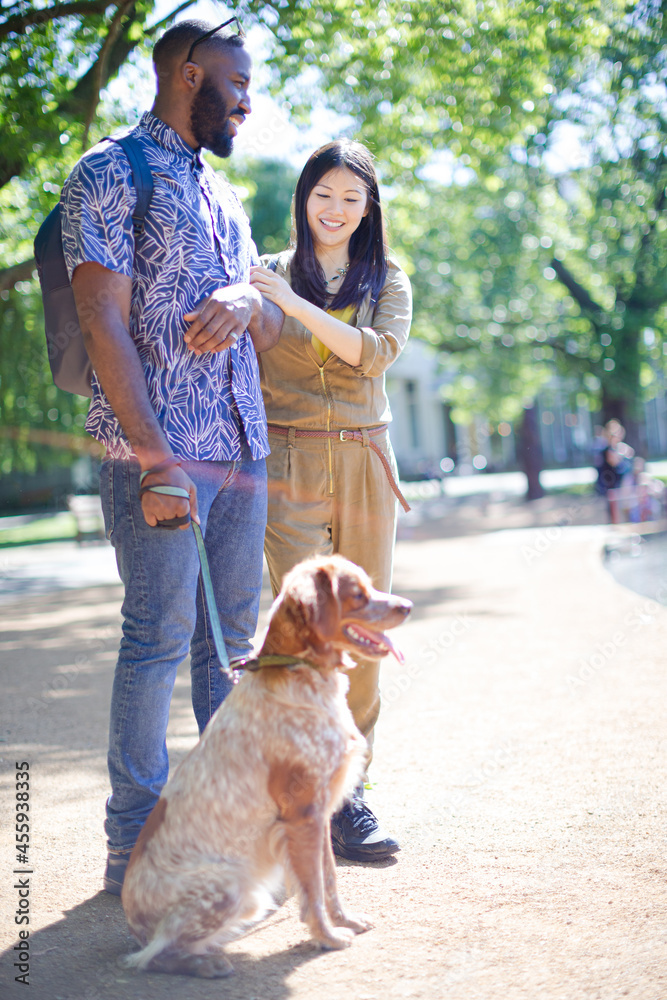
(530, 452)
(621, 387)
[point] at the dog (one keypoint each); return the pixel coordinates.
(249, 808)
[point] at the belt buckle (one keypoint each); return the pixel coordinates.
(342, 435)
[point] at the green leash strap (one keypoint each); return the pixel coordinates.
(218, 640)
(207, 583)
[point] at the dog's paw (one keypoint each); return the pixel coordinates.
(357, 922)
(211, 966)
(342, 937)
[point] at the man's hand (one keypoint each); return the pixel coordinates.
(220, 319)
(161, 506)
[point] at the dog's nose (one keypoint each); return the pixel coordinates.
(403, 606)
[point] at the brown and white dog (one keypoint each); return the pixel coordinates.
(250, 806)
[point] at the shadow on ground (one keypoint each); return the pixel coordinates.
(81, 958)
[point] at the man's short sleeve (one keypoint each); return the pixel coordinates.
(97, 204)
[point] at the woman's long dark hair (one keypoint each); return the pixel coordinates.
(368, 249)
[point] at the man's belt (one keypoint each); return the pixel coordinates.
(347, 435)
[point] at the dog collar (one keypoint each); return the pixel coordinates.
(266, 660)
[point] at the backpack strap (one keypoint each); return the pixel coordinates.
(142, 177)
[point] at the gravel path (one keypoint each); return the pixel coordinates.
(520, 761)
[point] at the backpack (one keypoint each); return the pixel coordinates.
(70, 364)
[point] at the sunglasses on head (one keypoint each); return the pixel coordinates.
(213, 32)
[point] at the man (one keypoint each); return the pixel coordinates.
(172, 328)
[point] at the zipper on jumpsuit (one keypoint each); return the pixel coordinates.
(329, 445)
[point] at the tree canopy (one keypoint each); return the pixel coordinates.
(492, 84)
(523, 265)
(471, 76)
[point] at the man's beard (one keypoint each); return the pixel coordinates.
(209, 119)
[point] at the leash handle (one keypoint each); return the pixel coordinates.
(207, 583)
(170, 491)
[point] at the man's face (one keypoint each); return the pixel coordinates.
(221, 103)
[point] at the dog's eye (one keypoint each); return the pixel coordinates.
(358, 598)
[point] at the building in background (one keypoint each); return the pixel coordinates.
(422, 433)
(427, 442)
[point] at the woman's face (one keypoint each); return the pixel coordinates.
(335, 207)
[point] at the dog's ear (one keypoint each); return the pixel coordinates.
(312, 607)
(324, 613)
(306, 616)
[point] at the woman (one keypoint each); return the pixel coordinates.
(332, 473)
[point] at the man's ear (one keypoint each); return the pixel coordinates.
(191, 75)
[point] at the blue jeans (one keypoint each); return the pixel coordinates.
(164, 617)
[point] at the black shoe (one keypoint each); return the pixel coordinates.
(114, 875)
(356, 834)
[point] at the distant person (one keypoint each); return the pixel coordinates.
(615, 458)
(641, 496)
(332, 473)
(599, 445)
(172, 334)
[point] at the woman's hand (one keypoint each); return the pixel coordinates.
(342, 339)
(275, 289)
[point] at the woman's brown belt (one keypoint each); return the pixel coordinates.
(346, 435)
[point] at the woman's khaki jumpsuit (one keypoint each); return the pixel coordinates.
(333, 495)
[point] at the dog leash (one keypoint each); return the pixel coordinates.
(175, 522)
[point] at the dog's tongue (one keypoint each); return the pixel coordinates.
(381, 638)
(392, 648)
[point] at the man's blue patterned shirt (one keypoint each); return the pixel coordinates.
(196, 238)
